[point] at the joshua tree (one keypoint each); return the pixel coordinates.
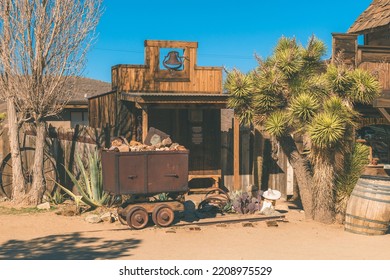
(42, 44)
(294, 94)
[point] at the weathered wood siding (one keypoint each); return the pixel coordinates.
(133, 78)
(151, 78)
(345, 44)
(116, 118)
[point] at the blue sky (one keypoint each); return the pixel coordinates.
(228, 33)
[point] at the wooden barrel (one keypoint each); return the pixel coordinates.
(368, 208)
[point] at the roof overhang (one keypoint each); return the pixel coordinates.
(383, 105)
(177, 100)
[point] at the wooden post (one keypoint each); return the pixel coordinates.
(236, 154)
(145, 124)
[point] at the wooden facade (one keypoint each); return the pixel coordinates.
(374, 56)
(184, 103)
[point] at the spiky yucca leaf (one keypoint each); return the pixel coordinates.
(364, 88)
(354, 165)
(289, 60)
(338, 79)
(303, 107)
(238, 84)
(267, 102)
(318, 86)
(326, 130)
(337, 106)
(240, 89)
(314, 51)
(277, 123)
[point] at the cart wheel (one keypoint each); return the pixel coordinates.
(137, 217)
(163, 216)
(27, 155)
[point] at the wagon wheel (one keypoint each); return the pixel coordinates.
(212, 200)
(137, 217)
(27, 156)
(221, 194)
(163, 215)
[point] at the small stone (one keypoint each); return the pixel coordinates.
(221, 225)
(107, 217)
(93, 219)
(272, 224)
(194, 228)
(166, 142)
(44, 206)
(247, 224)
(170, 231)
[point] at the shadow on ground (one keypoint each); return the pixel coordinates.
(67, 247)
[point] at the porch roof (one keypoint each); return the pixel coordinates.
(177, 99)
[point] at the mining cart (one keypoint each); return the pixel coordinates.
(145, 175)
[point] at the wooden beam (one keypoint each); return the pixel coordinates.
(170, 44)
(385, 113)
(236, 154)
(145, 123)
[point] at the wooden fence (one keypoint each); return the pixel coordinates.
(62, 147)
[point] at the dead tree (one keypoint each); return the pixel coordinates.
(45, 49)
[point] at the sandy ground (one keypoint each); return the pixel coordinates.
(50, 236)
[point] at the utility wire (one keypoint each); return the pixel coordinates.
(232, 56)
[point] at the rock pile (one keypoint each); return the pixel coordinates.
(120, 144)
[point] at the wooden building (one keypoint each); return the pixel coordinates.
(372, 30)
(171, 93)
(76, 110)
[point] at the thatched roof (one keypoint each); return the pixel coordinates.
(82, 88)
(376, 15)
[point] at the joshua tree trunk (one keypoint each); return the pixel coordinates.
(304, 178)
(18, 190)
(323, 192)
(38, 186)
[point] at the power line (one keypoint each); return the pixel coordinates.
(231, 56)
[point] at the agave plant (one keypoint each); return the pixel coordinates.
(90, 183)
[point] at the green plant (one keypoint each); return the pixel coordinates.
(56, 198)
(244, 203)
(90, 183)
(354, 166)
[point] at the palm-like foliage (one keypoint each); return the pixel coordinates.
(326, 130)
(364, 87)
(347, 179)
(295, 91)
(240, 88)
(277, 123)
(303, 107)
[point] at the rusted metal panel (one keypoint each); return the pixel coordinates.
(131, 173)
(167, 172)
(145, 173)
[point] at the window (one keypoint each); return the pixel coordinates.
(78, 118)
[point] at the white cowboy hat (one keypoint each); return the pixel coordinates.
(272, 194)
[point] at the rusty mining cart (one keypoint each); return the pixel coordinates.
(143, 175)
